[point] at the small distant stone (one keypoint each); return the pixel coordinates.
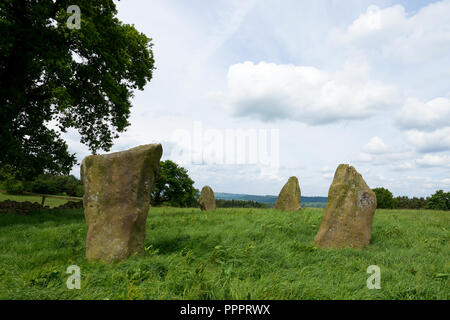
(290, 196)
(207, 200)
(347, 219)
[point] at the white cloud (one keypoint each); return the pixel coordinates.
(272, 91)
(212, 36)
(394, 33)
(326, 169)
(374, 20)
(364, 157)
(403, 166)
(434, 161)
(430, 115)
(328, 176)
(435, 141)
(376, 145)
(327, 172)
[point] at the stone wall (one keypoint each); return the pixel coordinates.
(23, 207)
(70, 205)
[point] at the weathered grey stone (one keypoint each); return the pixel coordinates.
(290, 196)
(116, 200)
(207, 200)
(347, 219)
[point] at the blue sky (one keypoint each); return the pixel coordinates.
(359, 82)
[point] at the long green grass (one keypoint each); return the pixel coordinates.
(228, 254)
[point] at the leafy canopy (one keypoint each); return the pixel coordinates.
(385, 199)
(174, 187)
(439, 201)
(74, 78)
(403, 202)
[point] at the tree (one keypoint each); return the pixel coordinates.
(222, 203)
(75, 78)
(385, 199)
(9, 181)
(440, 200)
(403, 202)
(57, 184)
(418, 203)
(174, 187)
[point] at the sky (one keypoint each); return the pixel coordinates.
(249, 93)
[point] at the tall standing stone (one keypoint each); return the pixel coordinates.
(290, 196)
(347, 219)
(207, 200)
(117, 189)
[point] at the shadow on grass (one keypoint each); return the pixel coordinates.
(173, 244)
(41, 216)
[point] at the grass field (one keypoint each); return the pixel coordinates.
(228, 254)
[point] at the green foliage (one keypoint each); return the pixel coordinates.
(14, 186)
(58, 185)
(221, 203)
(174, 187)
(439, 201)
(45, 278)
(67, 185)
(231, 254)
(385, 199)
(403, 202)
(78, 78)
(10, 181)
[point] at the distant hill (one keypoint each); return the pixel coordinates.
(270, 200)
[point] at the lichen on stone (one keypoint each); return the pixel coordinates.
(290, 196)
(348, 215)
(207, 199)
(117, 197)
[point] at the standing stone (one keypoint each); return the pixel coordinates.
(207, 200)
(290, 196)
(117, 189)
(347, 219)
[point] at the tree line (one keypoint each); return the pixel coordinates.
(440, 200)
(65, 185)
(222, 203)
(173, 187)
